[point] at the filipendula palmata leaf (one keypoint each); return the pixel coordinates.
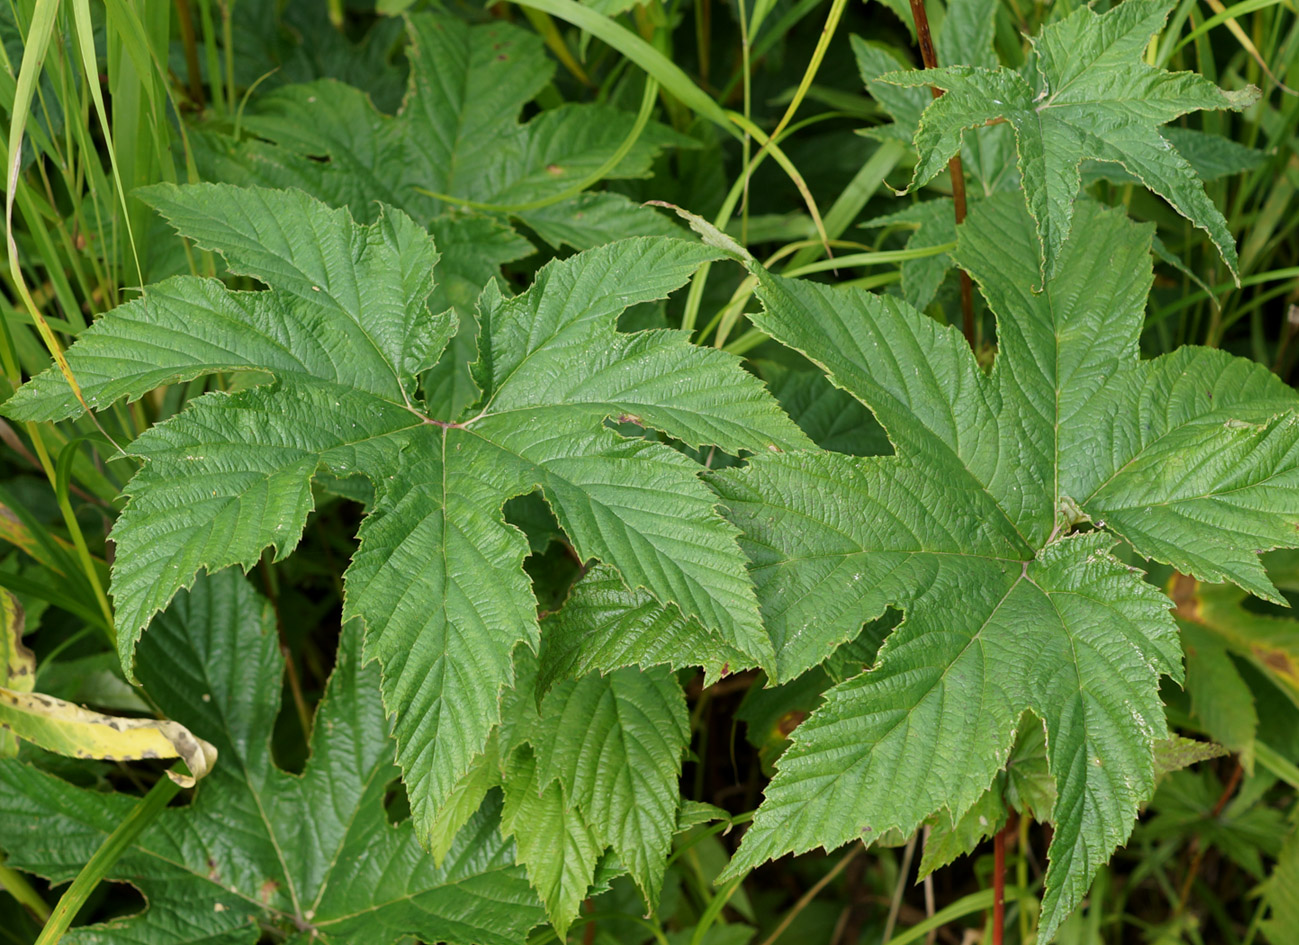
(613, 744)
(556, 845)
(457, 133)
(258, 847)
(1085, 93)
(604, 626)
(342, 334)
(969, 530)
(69, 729)
(590, 765)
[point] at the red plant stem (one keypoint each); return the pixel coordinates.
(1197, 848)
(999, 885)
(930, 59)
(927, 54)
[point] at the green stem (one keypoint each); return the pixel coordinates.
(16, 885)
(969, 905)
(713, 910)
(114, 845)
(812, 893)
(814, 64)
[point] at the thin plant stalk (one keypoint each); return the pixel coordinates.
(999, 885)
(930, 59)
(895, 906)
(114, 845)
(812, 893)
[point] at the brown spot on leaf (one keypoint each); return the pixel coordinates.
(1278, 662)
(790, 721)
(1182, 590)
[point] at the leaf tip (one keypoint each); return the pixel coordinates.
(711, 235)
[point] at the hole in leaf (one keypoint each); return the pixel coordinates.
(396, 803)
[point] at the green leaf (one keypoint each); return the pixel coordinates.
(1025, 786)
(1178, 752)
(438, 578)
(963, 37)
(556, 844)
(614, 743)
(300, 45)
(949, 841)
(935, 224)
(972, 530)
(1221, 701)
(258, 848)
(598, 760)
(595, 218)
(904, 105)
(457, 133)
(1191, 457)
(464, 800)
(967, 34)
(1211, 156)
(1245, 830)
(17, 662)
(1216, 618)
(832, 419)
(589, 766)
(1281, 894)
(1087, 93)
(604, 626)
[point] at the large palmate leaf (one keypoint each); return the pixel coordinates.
(259, 849)
(457, 133)
(974, 530)
(438, 576)
(1085, 93)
